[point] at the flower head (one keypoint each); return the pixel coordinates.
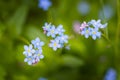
(76, 27)
(55, 44)
(95, 33)
(44, 4)
(83, 25)
(83, 8)
(30, 60)
(97, 24)
(46, 27)
(62, 38)
(110, 75)
(57, 33)
(37, 43)
(86, 32)
(33, 52)
(52, 31)
(42, 78)
(60, 30)
(28, 50)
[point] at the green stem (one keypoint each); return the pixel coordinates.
(105, 20)
(23, 40)
(107, 39)
(118, 29)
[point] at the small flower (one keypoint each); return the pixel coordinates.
(38, 54)
(97, 24)
(60, 30)
(33, 54)
(44, 4)
(110, 75)
(28, 50)
(95, 33)
(30, 60)
(42, 78)
(83, 7)
(86, 32)
(62, 38)
(83, 25)
(76, 27)
(46, 27)
(37, 43)
(106, 12)
(55, 44)
(52, 32)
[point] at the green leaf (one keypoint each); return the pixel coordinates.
(72, 61)
(32, 32)
(16, 22)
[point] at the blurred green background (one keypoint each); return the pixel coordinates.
(21, 21)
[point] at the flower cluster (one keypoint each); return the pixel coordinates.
(59, 38)
(92, 29)
(33, 52)
(44, 4)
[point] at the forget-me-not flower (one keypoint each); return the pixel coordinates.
(42, 78)
(52, 32)
(37, 43)
(95, 33)
(97, 24)
(55, 44)
(106, 12)
(83, 8)
(86, 32)
(60, 30)
(44, 4)
(111, 75)
(28, 50)
(30, 60)
(57, 33)
(47, 26)
(62, 38)
(33, 52)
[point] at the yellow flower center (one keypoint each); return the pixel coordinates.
(87, 31)
(28, 50)
(55, 44)
(38, 54)
(29, 59)
(52, 31)
(94, 32)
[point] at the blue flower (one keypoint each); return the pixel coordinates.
(33, 54)
(44, 4)
(55, 44)
(42, 78)
(83, 8)
(97, 24)
(95, 33)
(38, 55)
(47, 26)
(60, 30)
(106, 12)
(110, 75)
(52, 32)
(86, 32)
(37, 43)
(28, 50)
(30, 60)
(62, 38)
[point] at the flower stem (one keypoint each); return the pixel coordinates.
(105, 20)
(23, 40)
(118, 29)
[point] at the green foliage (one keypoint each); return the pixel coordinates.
(21, 21)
